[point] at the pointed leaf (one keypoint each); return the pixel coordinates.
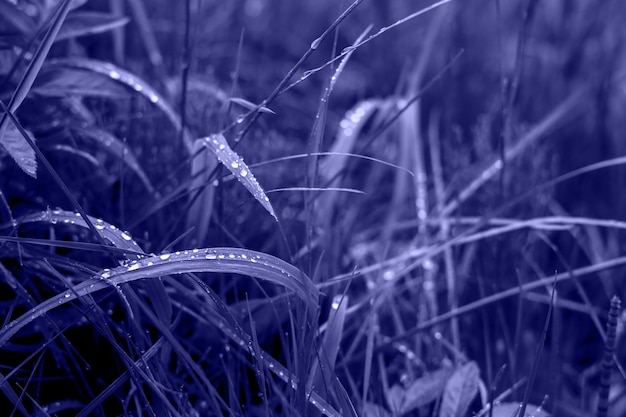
(235, 164)
(251, 106)
(513, 410)
(460, 390)
(89, 23)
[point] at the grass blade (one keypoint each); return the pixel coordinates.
(128, 79)
(117, 237)
(89, 23)
(222, 260)
(24, 159)
(235, 164)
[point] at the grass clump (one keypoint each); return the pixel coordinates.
(426, 222)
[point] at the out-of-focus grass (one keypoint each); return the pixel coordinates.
(456, 164)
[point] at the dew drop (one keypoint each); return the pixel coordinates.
(165, 256)
(126, 236)
(316, 43)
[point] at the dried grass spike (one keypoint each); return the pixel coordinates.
(607, 359)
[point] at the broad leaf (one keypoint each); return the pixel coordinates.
(460, 391)
(20, 150)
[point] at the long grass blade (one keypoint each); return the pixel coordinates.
(23, 88)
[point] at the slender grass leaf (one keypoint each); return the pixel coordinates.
(322, 374)
(60, 81)
(514, 409)
(24, 86)
(79, 154)
(89, 23)
(317, 133)
(235, 164)
(117, 237)
(140, 18)
(460, 390)
(251, 106)
(129, 80)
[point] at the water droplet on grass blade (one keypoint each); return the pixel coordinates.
(316, 43)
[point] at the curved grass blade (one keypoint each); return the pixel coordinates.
(235, 164)
(128, 79)
(117, 237)
(23, 160)
(349, 129)
(118, 149)
(79, 154)
(77, 82)
(222, 260)
(89, 23)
